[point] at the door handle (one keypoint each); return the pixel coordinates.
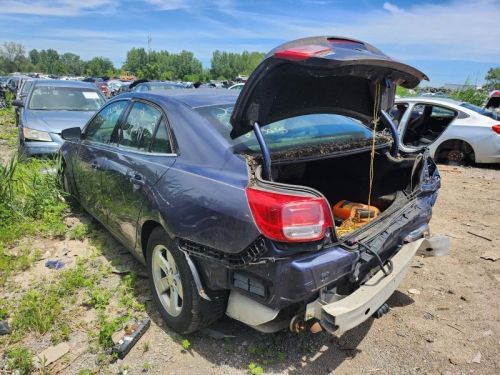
(137, 179)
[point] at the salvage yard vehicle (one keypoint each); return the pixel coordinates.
(50, 107)
(227, 199)
(453, 131)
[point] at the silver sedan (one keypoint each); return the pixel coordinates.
(455, 132)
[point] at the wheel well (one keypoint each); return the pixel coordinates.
(454, 144)
(146, 230)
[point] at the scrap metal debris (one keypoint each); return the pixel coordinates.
(133, 334)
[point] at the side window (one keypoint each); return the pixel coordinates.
(442, 112)
(137, 131)
(161, 142)
(101, 127)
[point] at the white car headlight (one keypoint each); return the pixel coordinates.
(36, 135)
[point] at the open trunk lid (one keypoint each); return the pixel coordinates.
(320, 75)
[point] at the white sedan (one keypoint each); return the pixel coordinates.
(455, 132)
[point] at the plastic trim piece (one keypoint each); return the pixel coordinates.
(351, 311)
(248, 311)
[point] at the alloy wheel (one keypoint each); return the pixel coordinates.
(167, 280)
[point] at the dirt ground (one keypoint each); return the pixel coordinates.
(447, 324)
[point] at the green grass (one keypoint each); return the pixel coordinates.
(79, 232)
(31, 200)
(14, 263)
(20, 359)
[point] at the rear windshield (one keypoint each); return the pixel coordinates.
(296, 131)
(481, 111)
(54, 98)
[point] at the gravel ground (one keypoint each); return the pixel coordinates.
(447, 324)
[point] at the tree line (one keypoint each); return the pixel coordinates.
(149, 64)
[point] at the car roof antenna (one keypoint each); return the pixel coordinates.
(266, 157)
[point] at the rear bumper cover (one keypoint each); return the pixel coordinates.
(354, 309)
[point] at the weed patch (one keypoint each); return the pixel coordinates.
(20, 359)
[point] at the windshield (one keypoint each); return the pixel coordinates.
(481, 111)
(296, 131)
(53, 98)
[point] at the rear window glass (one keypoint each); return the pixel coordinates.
(481, 111)
(295, 131)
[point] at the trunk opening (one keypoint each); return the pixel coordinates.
(347, 177)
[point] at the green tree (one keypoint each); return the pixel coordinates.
(492, 79)
(137, 58)
(14, 57)
(228, 65)
(99, 66)
(34, 56)
(72, 64)
(48, 61)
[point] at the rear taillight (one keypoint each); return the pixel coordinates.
(302, 52)
(289, 218)
(496, 128)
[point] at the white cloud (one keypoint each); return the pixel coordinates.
(54, 7)
(392, 8)
(455, 30)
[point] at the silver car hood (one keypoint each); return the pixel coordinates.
(55, 121)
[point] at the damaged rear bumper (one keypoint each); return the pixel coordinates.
(339, 315)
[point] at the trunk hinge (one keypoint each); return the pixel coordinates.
(394, 130)
(266, 157)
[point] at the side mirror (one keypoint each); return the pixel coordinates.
(18, 103)
(72, 134)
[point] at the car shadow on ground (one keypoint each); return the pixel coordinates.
(238, 345)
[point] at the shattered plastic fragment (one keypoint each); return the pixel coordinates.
(54, 264)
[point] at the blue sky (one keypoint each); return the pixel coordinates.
(451, 41)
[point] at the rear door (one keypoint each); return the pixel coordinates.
(424, 124)
(144, 154)
(91, 160)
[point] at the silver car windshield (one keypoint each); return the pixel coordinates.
(54, 98)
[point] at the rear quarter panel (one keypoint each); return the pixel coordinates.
(202, 196)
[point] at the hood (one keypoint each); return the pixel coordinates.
(320, 75)
(55, 121)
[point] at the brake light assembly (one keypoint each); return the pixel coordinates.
(300, 53)
(289, 218)
(496, 128)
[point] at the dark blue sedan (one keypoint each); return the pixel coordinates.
(228, 199)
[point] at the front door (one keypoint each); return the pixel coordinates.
(91, 160)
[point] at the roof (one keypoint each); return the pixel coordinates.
(63, 83)
(430, 99)
(193, 98)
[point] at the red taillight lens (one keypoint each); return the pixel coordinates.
(289, 218)
(301, 52)
(496, 128)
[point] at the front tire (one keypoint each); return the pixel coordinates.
(174, 289)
